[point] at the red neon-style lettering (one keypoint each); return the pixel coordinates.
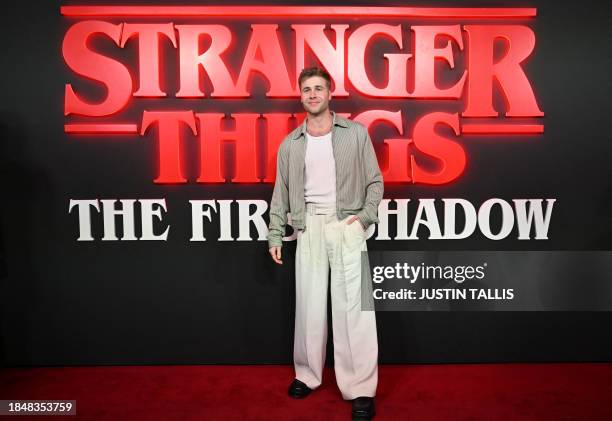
(425, 55)
(397, 167)
(92, 65)
(332, 59)
(244, 139)
(276, 129)
(357, 44)
(149, 35)
(264, 43)
(169, 139)
(508, 72)
(448, 152)
(210, 61)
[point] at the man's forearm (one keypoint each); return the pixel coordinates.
(374, 185)
(276, 229)
(374, 193)
(279, 205)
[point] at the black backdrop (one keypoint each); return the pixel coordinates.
(65, 302)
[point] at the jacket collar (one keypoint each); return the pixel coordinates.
(336, 121)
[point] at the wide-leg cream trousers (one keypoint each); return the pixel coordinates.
(330, 243)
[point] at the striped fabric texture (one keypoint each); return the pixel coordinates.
(359, 183)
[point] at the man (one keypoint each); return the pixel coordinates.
(328, 178)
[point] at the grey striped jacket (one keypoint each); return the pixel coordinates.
(359, 183)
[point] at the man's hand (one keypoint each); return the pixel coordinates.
(353, 219)
(275, 252)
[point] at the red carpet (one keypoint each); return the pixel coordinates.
(407, 392)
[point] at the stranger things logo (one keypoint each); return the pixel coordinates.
(214, 88)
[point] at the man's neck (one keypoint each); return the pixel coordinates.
(320, 124)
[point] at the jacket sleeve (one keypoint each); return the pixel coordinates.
(279, 205)
(373, 182)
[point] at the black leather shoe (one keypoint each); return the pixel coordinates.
(363, 408)
(298, 389)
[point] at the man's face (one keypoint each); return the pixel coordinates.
(315, 95)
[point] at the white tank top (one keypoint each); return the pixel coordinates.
(320, 170)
